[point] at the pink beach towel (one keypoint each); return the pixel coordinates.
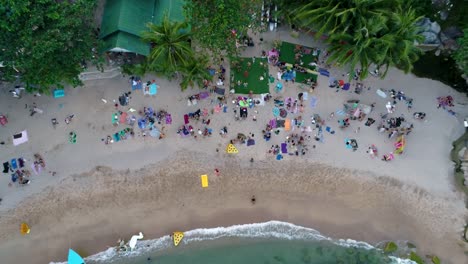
(273, 123)
(168, 119)
(186, 119)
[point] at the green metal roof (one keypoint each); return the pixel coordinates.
(124, 21)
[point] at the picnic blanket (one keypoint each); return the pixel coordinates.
(204, 95)
(219, 91)
(287, 125)
(284, 148)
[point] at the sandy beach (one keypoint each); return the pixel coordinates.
(91, 194)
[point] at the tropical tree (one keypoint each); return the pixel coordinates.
(217, 23)
(363, 32)
(461, 55)
(44, 42)
(194, 72)
(171, 48)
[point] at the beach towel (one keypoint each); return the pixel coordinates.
(6, 167)
(13, 164)
(324, 72)
(340, 112)
(116, 137)
(204, 95)
(219, 91)
(36, 168)
(279, 157)
(276, 111)
(123, 118)
(59, 93)
(115, 118)
(346, 86)
(313, 101)
(168, 119)
(141, 123)
(14, 177)
(272, 123)
(250, 142)
(225, 108)
(153, 89)
(329, 130)
(280, 123)
(217, 109)
(186, 119)
(287, 125)
(305, 96)
(284, 148)
(204, 181)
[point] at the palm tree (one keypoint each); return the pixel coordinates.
(170, 46)
(194, 72)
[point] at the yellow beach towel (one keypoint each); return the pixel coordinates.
(204, 180)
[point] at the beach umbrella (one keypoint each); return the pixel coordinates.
(177, 237)
(74, 258)
(24, 229)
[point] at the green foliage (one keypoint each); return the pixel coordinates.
(194, 72)
(414, 257)
(171, 46)
(390, 247)
(44, 41)
(214, 21)
(365, 32)
(461, 54)
(435, 260)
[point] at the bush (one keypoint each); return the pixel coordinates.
(390, 247)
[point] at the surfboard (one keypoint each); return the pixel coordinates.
(74, 258)
(177, 237)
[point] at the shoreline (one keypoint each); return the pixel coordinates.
(336, 202)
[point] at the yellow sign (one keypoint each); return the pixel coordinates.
(231, 149)
(204, 181)
(177, 237)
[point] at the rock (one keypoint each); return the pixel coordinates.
(437, 53)
(443, 15)
(435, 27)
(430, 38)
(453, 32)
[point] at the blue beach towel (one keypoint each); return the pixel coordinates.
(13, 163)
(313, 101)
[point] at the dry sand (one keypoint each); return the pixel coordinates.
(154, 186)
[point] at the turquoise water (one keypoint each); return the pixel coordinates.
(265, 252)
(272, 242)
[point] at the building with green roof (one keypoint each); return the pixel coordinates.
(123, 22)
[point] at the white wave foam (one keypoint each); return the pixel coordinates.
(271, 229)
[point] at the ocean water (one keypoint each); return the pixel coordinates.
(263, 243)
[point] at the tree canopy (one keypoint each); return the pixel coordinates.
(44, 41)
(171, 47)
(461, 54)
(216, 23)
(363, 32)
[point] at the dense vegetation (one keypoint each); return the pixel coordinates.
(44, 42)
